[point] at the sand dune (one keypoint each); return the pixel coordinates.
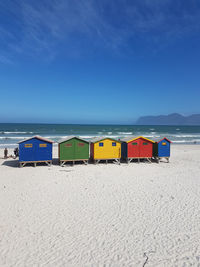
(105, 215)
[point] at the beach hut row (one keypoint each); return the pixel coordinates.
(38, 149)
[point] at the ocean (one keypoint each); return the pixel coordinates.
(12, 133)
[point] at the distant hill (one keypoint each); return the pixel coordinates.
(171, 119)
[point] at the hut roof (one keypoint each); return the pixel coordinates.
(71, 137)
(158, 140)
(101, 138)
(132, 138)
(38, 137)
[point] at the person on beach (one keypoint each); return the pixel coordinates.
(16, 152)
(5, 153)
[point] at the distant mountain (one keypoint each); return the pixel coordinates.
(171, 119)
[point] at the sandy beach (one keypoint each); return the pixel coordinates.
(144, 214)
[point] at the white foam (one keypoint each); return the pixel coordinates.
(125, 133)
(151, 136)
(185, 135)
(87, 136)
(55, 137)
(8, 145)
(17, 132)
(13, 137)
(183, 141)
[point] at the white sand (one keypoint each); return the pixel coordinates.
(104, 215)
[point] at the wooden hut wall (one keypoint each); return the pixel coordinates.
(35, 150)
(137, 148)
(164, 148)
(74, 149)
(107, 149)
(124, 150)
(145, 148)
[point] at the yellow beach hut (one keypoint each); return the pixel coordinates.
(105, 148)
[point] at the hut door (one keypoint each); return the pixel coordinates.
(43, 151)
(164, 149)
(80, 150)
(145, 149)
(28, 151)
(134, 149)
(68, 152)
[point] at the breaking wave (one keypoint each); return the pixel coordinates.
(2, 132)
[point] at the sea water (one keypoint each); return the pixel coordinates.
(12, 133)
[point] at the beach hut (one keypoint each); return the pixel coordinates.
(104, 148)
(35, 149)
(73, 149)
(137, 148)
(162, 149)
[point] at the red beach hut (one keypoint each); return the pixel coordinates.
(137, 148)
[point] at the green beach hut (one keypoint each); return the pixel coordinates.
(73, 149)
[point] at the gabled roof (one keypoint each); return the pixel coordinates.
(71, 137)
(130, 139)
(158, 140)
(38, 137)
(101, 138)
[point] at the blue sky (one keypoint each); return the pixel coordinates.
(98, 61)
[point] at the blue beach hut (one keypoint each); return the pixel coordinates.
(35, 149)
(162, 149)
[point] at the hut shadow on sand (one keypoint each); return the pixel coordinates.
(14, 163)
(55, 161)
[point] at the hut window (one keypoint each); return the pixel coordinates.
(113, 143)
(164, 144)
(81, 144)
(28, 145)
(145, 144)
(68, 145)
(134, 144)
(43, 145)
(100, 144)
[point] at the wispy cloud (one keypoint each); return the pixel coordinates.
(41, 27)
(6, 60)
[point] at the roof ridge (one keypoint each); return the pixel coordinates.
(38, 137)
